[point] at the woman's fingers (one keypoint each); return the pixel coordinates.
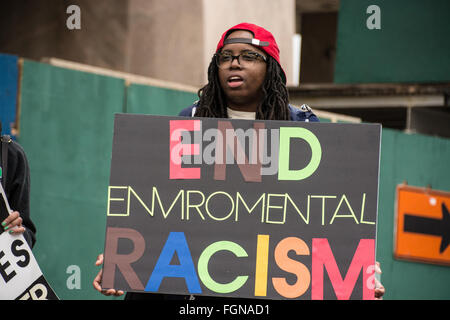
(98, 278)
(96, 282)
(13, 223)
(99, 260)
(379, 291)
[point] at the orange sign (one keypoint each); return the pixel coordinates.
(422, 231)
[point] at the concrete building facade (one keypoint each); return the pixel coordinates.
(171, 40)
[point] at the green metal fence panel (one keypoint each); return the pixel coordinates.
(411, 44)
(66, 129)
(157, 101)
(420, 161)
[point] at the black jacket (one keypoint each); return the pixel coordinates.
(17, 188)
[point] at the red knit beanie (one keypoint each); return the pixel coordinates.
(262, 39)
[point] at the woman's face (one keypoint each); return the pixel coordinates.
(242, 84)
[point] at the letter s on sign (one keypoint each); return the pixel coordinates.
(17, 253)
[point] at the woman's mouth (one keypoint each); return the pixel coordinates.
(235, 81)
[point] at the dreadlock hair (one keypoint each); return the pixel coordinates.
(213, 103)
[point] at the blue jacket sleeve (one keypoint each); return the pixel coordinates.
(304, 113)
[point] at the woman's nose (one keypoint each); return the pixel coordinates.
(235, 62)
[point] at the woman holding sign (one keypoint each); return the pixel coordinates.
(245, 81)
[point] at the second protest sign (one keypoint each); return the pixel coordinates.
(238, 208)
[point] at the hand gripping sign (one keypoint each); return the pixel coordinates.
(20, 275)
(239, 208)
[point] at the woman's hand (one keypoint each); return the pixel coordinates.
(97, 281)
(379, 288)
(13, 223)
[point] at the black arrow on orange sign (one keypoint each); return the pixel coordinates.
(430, 226)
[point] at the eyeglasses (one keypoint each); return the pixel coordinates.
(245, 59)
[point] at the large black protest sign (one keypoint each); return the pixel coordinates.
(238, 208)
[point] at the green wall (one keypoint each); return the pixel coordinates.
(66, 128)
(420, 161)
(411, 46)
(157, 101)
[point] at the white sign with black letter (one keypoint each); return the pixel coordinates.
(20, 275)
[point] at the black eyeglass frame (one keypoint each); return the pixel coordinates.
(258, 55)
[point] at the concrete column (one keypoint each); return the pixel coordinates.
(165, 40)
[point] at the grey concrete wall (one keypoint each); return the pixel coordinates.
(165, 40)
(171, 40)
(37, 29)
